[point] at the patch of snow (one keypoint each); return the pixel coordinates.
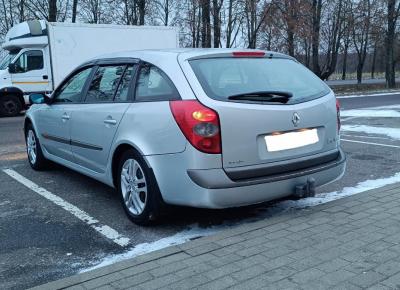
(144, 248)
(347, 191)
(393, 133)
(386, 107)
(370, 113)
(366, 137)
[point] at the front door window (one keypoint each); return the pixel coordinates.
(29, 61)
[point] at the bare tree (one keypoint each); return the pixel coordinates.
(333, 33)
(361, 33)
(234, 21)
(346, 42)
(255, 13)
(393, 10)
(163, 10)
(288, 13)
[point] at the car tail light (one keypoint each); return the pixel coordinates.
(338, 114)
(199, 124)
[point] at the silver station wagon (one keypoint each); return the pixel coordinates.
(209, 128)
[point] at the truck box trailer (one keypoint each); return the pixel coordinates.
(41, 54)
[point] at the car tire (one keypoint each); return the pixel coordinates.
(34, 151)
(10, 106)
(138, 189)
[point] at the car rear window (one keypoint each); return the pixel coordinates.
(225, 77)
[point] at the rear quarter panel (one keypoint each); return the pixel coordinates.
(151, 129)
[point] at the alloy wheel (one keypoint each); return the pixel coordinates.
(31, 146)
(133, 186)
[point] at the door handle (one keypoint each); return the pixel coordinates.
(110, 122)
(45, 77)
(65, 117)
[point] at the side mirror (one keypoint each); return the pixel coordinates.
(38, 98)
(12, 69)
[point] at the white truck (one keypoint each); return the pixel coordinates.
(41, 54)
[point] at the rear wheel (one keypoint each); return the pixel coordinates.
(138, 189)
(10, 105)
(35, 155)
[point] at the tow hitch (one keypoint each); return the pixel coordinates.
(305, 190)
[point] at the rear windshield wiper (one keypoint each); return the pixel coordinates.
(263, 96)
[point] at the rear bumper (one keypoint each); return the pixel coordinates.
(219, 179)
(212, 188)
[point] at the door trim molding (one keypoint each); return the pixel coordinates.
(85, 145)
(72, 142)
(56, 139)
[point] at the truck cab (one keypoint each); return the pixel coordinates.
(26, 67)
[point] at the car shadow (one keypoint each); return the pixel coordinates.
(180, 216)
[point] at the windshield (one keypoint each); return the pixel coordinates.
(7, 60)
(222, 78)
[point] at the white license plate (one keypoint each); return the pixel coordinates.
(291, 140)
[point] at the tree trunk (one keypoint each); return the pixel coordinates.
(291, 20)
(390, 41)
(217, 23)
(290, 36)
(374, 60)
(142, 11)
(345, 53)
(198, 28)
(74, 8)
(359, 71)
(166, 13)
(229, 29)
(206, 24)
(21, 10)
(316, 9)
(5, 15)
(52, 10)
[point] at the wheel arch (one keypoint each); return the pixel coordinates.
(13, 91)
(117, 153)
(27, 122)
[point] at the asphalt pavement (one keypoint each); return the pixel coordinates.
(40, 241)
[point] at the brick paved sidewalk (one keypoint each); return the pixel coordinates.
(351, 243)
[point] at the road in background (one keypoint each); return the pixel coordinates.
(369, 101)
(354, 82)
(11, 137)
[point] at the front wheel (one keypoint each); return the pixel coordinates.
(138, 189)
(35, 155)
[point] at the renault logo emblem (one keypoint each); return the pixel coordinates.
(295, 119)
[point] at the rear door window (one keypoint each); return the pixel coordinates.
(225, 77)
(123, 89)
(104, 84)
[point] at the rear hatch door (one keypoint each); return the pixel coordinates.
(264, 130)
